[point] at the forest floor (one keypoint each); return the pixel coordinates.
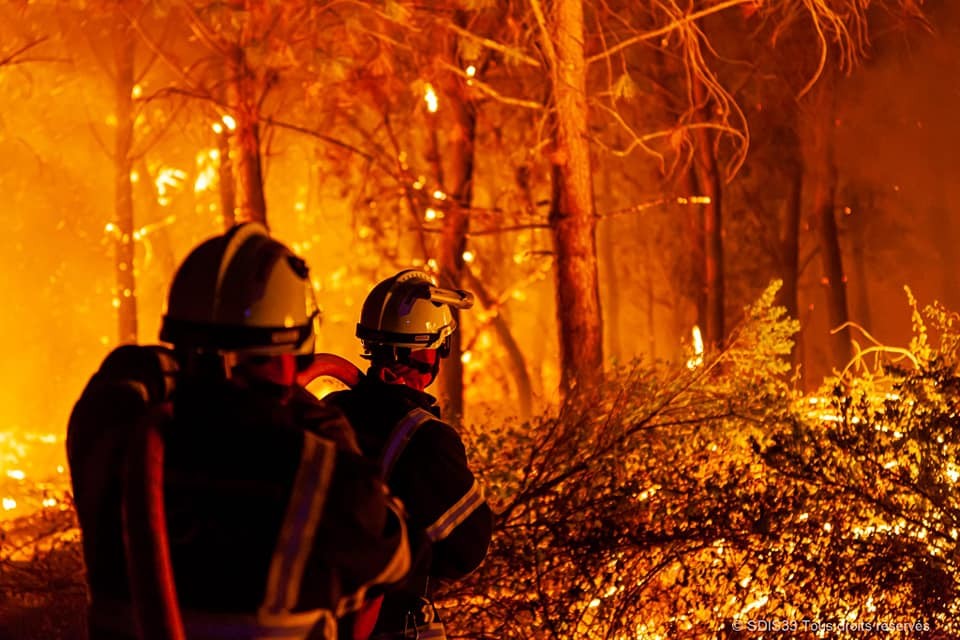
(42, 591)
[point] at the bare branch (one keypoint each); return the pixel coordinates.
(200, 29)
(510, 52)
(15, 56)
(492, 230)
(673, 26)
(163, 55)
(319, 136)
(490, 91)
(545, 37)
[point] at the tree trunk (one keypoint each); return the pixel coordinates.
(696, 262)
(572, 212)
(453, 238)
(227, 186)
(858, 212)
(790, 239)
(126, 293)
(824, 169)
(456, 221)
(245, 142)
(711, 185)
(790, 291)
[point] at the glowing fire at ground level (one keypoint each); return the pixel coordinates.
(33, 473)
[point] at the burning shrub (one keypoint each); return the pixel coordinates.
(690, 503)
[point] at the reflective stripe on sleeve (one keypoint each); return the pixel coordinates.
(455, 515)
(400, 436)
(299, 525)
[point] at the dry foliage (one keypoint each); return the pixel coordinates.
(683, 503)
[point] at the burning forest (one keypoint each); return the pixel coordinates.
(709, 380)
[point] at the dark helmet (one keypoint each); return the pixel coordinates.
(242, 292)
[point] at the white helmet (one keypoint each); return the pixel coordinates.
(408, 311)
(242, 292)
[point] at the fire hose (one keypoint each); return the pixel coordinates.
(156, 610)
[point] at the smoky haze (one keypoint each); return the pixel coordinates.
(897, 151)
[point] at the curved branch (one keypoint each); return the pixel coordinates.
(510, 52)
(673, 26)
(319, 136)
(486, 89)
(11, 58)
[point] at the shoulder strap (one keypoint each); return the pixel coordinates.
(151, 370)
(399, 437)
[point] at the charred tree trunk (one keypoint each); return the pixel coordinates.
(824, 169)
(572, 211)
(790, 239)
(711, 185)
(856, 215)
(453, 238)
(126, 293)
(457, 182)
(698, 283)
(787, 137)
(245, 157)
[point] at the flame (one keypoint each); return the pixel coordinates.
(756, 604)
(206, 170)
(34, 477)
(430, 97)
(697, 359)
(693, 200)
(168, 179)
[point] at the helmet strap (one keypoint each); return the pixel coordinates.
(444, 349)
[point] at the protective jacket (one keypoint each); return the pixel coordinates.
(276, 525)
(425, 465)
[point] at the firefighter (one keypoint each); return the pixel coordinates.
(277, 525)
(405, 328)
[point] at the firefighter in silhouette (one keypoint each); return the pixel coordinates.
(277, 525)
(405, 329)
